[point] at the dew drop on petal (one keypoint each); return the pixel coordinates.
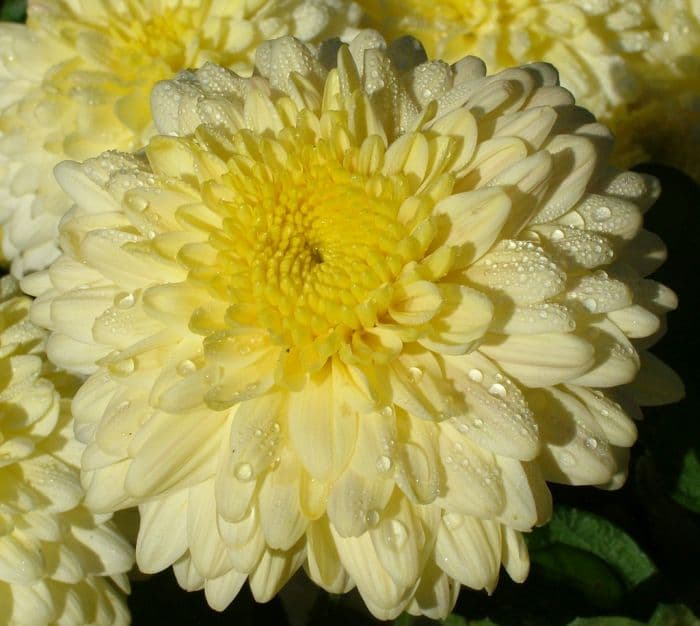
(476, 375)
(453, 520)
(416, 373)
(124, 300)
(383, 463)
(477, 422)
(186, 367)
(497, 390)
(590, 304)
(567, 458)
(387, 411)
(124, 367)
(244, 471)
(557, 235)
(601, 213)
(395, 533)
(372, 517)
(591, 442)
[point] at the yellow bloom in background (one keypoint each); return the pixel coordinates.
(352, 313)
(55, 555)
(634, 63)
(75, 81)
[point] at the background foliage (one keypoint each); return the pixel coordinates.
(625, 558)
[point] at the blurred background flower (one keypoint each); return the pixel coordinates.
(634, 63)
(56, 557)
(75, 80)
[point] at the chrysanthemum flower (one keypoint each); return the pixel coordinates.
(635, 64)
(352, 313)
(54, 553)
(76, 81)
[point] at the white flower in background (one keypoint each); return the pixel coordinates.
(352, 313)
(75, 80)
(55, 556)
(634, 63)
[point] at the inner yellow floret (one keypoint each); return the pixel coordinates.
(164, 37)
(323, 242)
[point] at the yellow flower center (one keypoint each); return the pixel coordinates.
(317, 244)
(163, 38)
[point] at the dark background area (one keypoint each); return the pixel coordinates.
(658, 508)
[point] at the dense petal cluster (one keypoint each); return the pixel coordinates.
(634, 63)
(54, 554)
(76, 80)
(351, 313)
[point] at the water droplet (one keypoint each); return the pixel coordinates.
(477, 422)
(244, 472)
(453, 520)
(275, 427)
(498, 390)
(601, 213)
(383, 463)
(592, 443)
(557, 235)
(186, 367)
(476, 375)
(372, 517)
(415, 373)
(395, 533)
(123, 368)
(567, 458)
(590, 304)
(387, 411)
(258, 432)
(124, 300)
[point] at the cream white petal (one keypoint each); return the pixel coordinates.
(164, 456)
(373, 582)
(162, 537)
(541, 360)
(472, 478)
(221, 591)
(281, 518)
(494, 414)
(323, 561)
(207, 550)
(469, 550)
(274, 570)
(516, 559)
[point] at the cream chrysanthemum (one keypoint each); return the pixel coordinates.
(54, 553)
(75, 81)
(634, 63)
(353, 318)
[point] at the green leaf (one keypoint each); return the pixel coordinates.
(594, 534)
(405, 619)
(687, 491)
(13, 10)
(665, 615)
(457, 620)
(581, 570)
(673, 615)
(605, 621)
